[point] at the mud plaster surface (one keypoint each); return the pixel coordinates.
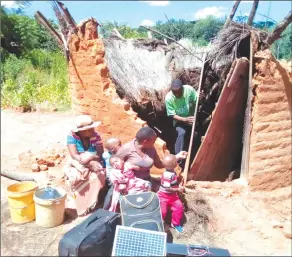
(244, 222)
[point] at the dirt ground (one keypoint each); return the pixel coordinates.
(246, 223)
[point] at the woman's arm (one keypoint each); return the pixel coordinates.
(73, 152)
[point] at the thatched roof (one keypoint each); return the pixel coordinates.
(143, 69)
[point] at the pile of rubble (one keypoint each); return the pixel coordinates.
(41, 161)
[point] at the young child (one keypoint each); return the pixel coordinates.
(168, 193)
(112, 145)
(124, 180)
(77, 171)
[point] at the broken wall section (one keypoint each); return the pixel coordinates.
(94, 93)
(270, 163)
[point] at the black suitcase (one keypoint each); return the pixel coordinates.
(141, 211)
(93, 237)
(180, 250)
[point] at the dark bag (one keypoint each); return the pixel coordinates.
(92, 237)
(141, 211)
(180, 250)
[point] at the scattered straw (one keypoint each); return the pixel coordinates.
(199, 217)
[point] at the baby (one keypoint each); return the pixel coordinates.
(112, 145)
(77, 170)
(168, 193)
(124, 180)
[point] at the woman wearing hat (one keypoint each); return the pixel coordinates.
(85, 174)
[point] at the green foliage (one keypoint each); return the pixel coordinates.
(36, 78)
(126, 31)
(282, 47)
(21, 34)
(206, 29)
(176, 29)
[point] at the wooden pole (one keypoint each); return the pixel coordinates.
(232, 13)
(252, 12)
(187, 164)
(244, 169)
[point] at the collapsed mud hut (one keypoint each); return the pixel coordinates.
(123, 84)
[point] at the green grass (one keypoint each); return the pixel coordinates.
(39, 77)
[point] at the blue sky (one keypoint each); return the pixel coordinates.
(135, 13)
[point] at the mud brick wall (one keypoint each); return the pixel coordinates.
(270, 142)
(94, 93)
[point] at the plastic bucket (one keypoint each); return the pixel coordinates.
(21, 203)
(50, 212)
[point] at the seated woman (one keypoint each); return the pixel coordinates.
(84, 172)
(141, 153)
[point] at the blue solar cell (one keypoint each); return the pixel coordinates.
(138, 242)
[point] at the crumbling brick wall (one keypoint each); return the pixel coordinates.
(94, 93)
(270, 142)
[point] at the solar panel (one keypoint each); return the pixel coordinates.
(138, 242)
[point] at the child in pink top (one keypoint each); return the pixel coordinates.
(124, 180)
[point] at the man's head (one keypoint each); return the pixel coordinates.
(116, 162)
(177, 88)
(146, 137)
(170, 162)
(112, 144)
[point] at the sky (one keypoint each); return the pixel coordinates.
(135, 13)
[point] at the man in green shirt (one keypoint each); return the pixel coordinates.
(180, 105)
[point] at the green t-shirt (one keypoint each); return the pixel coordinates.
(183, 106)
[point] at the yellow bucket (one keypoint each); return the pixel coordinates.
(21, 203)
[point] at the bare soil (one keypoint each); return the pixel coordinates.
(247, 223)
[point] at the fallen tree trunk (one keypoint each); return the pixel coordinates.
(44, 22)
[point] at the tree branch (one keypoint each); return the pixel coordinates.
(276, 34)
(232, 13)
(252, 12)
(153, 30)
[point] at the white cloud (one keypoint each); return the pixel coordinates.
(217, 11)
(147, 23)
(157, 3)
(246, 14)
(9, 4)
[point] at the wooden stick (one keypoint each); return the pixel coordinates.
(170, 38)
(252, 12)
(232, 13)
(44, 22)
(187, 164)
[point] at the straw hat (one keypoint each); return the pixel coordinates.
(84, 122)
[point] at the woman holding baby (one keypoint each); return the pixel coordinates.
(84, 172)
(141, 153)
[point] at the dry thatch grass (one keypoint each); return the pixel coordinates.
(141, 70)
(199, 216)
(226, 46)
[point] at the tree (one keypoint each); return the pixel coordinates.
(205, 30)
(21, 34)
(176, 29)
(125, 30)
(282, 47)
